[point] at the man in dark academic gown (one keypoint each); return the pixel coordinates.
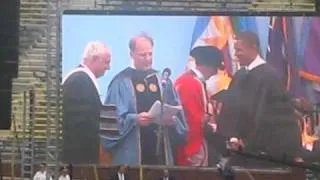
(81, 106)
(257, 114)
(166, 175)
(121, 173)
(133, 91)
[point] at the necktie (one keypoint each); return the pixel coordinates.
(240, 75)
(243, 71)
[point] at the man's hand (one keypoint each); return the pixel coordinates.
(144, 119)
(299, 160)
(213, 126)
(170, 121)
(210, 120)
(236, 144)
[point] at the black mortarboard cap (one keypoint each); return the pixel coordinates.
(207, 55)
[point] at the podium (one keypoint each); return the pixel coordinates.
(108, 127)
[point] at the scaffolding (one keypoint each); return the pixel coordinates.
(53, 103)
(167, 5)
(283, 5)
(28, 143)
(18, 144)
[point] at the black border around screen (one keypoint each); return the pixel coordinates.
(187, 12)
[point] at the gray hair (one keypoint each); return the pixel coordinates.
(92, 49)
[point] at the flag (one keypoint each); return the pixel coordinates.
(311, 65)
(310, 69)
(249, 23)
(199, 30)
(216, 31)
(244, 23)
(279, 52)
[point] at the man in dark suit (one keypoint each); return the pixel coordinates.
(166, 176)
(81, 106)
(121, 173)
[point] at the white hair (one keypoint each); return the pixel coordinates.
(92, 49)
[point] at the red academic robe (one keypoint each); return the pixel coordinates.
(192, 96)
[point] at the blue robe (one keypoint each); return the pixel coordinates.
(126, 147)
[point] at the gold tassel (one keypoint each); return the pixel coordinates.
(141, 173)
(96, 172)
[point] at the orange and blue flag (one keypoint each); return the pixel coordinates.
(216, 31)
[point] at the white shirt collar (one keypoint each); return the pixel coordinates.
(92, 76)
(132, 65)
(255, 63)
(198, 74)
(121, 176)
(64, 177)
(86, 70)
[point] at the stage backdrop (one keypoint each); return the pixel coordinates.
(288, 43)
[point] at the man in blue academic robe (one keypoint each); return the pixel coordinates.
(133, 91)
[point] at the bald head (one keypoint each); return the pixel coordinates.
(141, 51)
(123, 168)
(142, 36)
(97, 57)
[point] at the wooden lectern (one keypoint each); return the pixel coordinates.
(108, 127)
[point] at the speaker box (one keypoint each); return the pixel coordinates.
(9, 56)
(5, 103)
(9, 37)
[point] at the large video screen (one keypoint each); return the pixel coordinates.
(188, 90)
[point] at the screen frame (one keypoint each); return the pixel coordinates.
(188, 13)
(287, 168)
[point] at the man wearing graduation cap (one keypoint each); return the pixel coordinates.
(133, 91)
(191, 87)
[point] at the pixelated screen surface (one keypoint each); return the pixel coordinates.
(133, 61)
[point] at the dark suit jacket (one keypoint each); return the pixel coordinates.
(314, 155)
(81, 113)
(116, 177)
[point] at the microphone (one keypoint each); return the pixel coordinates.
(163, 83)
(224, 167)
(149, 76)
(223, 163)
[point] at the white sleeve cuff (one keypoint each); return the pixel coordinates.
(234, 139)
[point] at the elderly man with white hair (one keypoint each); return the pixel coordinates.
(81, 105)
